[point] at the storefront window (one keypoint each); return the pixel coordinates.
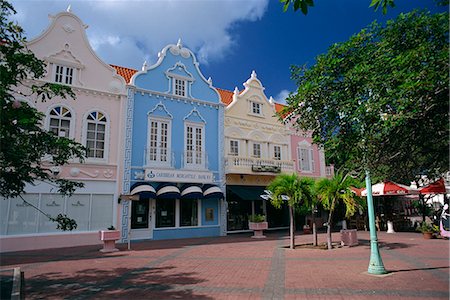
(188, 212)
(238, 212)
(165, 213)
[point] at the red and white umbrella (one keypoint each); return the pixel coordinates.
(437, 187)
(389, 188)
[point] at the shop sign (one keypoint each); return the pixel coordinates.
(162, 175)
(262, 168)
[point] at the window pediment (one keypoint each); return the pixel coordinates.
(179, 71)
(161, 111)
(194, 116)
(66, 58)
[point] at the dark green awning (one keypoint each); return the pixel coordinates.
(245, 192)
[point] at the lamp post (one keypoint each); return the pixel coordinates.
(376, 266)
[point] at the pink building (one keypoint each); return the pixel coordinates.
(93, 119)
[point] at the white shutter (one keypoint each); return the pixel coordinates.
(312, 160)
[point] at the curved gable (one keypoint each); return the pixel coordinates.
(252, 104)
(64, 43)
(176, 62)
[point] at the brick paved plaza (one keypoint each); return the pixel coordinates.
(238, 267)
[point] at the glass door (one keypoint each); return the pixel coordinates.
(139, 214)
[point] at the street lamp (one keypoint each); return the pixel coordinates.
(376, 266)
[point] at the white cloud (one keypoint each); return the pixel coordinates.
(281, 97)
(128, 32)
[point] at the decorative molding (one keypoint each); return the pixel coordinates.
(161, 108)
(68, 28)
(126, 206)
(194, 113)
(139, 175)
(65, 57)
(179, 65)
(179, 98)
(75, 172)
(108, 173)
(178, 49)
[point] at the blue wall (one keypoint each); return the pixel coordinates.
(153, 89)
(179, 233)
(157, 80)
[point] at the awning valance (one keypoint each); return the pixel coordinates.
(144, 189)
(191, 191)
(212, 191)
(167, 191)
(245, 192)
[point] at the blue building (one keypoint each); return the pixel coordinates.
(173, 171)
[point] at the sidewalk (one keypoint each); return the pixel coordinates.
(238, 267)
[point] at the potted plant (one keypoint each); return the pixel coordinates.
(427, 229)
(257, 223)
(109, 238)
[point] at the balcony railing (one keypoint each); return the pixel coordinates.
(246, 164)
(158, 157)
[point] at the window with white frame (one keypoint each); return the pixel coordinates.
(194, 153)
(158, 151)
(64, 74)
(59, 121)
(96, 125)
(277, 152)
(256, 150)
(256, 108)
(179, 87)
(234, 147)
(305, 159)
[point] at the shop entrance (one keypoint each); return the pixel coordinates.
(141, 220)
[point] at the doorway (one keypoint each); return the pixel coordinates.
(141, 220)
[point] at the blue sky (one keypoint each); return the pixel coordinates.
(230, 38)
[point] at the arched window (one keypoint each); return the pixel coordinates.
(60, 118)
(96, 134)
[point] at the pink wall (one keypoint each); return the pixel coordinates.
(319, 163)
(22, 243)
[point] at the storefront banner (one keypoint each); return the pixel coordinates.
(161, 175)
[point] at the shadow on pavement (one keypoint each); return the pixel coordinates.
(385, 245)
(92, 252)
(116, 283)
(418, 269)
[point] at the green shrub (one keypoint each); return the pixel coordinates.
(257, 218)
(427, 227)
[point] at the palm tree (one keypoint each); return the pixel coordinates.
(333, 191)
(296, 190)
(312, 204)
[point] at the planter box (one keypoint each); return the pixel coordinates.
(258, 229)
(349, 237)
(109, 238)
(109, 235)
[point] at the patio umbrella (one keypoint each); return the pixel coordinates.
(437, 187)
(389, 188)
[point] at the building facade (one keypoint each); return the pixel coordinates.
(174, 170)
(257, 148)
(92, 119)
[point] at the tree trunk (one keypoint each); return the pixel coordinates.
(291, 227)
(329, 242)
(314, 228)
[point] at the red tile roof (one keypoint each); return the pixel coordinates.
(126, 73)
(279, 107)
(225, 96)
